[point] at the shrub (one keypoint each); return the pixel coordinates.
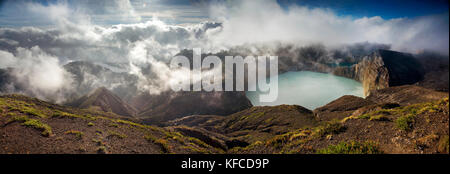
(78, 134)
(443, 145)
(98, 142)
(198, 142)
(36, 124)
(364, 116)
(27, 110)
(11, 114)
(389, 105)
(279, 140)
(113, 125)
(60, 114)
(46, 129)
(102, 150)
(379, 118)
(163, 145)
(18, 119)
(150, 138)
(116, 134)
(333, 127)
(352, 147)
(405, 122)
(32, 111)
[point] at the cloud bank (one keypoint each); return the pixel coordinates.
(144, 49)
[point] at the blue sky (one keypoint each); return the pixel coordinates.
(387, 9)
(193, 11)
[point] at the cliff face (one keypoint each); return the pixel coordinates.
(383, 69)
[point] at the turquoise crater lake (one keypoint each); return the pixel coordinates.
(309, 89)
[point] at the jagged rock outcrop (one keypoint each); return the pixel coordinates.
(382, 69)
(104, 100)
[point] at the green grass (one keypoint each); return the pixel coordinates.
(364, 116)
(163, 144)
(102, 149)
(113, 125)
(90, 124)
(380, 115)
(27, 110)
(46, 129)
(406, 114)
(78, 134)
(99, 142)
(252, 116)
(60, 114)
(379, 118)
(196, 150)
(135, 125)
(405, 122)
(11, 114)
(116, 134)
(198, 142)
(279, 140)
(301, 136)
(21, 119)
(352, 147)
(34, 123)
(150, 138)
(443, 145)
(332, 127)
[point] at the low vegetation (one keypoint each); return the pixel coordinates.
(404, 116)
(162, 143)
(116, 134)
(78, 134)
(310, 138)
(45, 129)
(351, 147)
(443, 145)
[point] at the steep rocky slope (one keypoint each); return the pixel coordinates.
(418, 123)
(382, 69)
(378, 128)
(104, 100)
(172, 105)
(405, 95)
(254, 124)
(28, 125)
(436, 71)
(341, 107)
(412, 120)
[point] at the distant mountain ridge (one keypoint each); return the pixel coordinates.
(104, 100)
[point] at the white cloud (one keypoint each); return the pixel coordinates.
(146, 47)
(39, 73)
(253, 21)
